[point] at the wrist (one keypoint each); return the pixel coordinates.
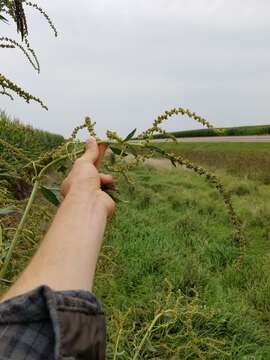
(92, 200)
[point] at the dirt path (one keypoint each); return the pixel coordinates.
(161, 164)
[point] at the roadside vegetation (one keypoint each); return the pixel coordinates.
(168, 276)
(180, 276)
(248, 160)
(232, 131)
(169, 261)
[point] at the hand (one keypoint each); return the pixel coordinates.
(84, 178)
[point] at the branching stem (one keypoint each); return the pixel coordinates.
(19, 230)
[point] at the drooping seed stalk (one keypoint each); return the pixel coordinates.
(215, 181)
(148, 333)
(30, 203)
(117, 344)
(124, 146)
(15, 10)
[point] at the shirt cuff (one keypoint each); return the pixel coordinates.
(47, 324)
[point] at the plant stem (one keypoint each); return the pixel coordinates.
(19, 229)
(117, 344)
(79, 152)
(148, 333)
(30, 203)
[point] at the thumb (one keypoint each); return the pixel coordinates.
(101, 149)
(91, 150)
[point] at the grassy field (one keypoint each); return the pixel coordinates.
(170, 248)
(170, 276)
(248, 160)
(232, 131)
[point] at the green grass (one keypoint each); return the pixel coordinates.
(174, 238)
(168, 276)
(250, 160)
(232, 131)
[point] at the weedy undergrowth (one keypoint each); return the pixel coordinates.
(179, 327)
(139, 149)
(32, 172)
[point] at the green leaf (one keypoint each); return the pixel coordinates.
(171, 136)
(6, 175)
(130, 135)
(162, 152)
(117, 151)
(1, 239)
(7, 211)
(157, 149)
(51, 194)
(132, 149)
(2, 18)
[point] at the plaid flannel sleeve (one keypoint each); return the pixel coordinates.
(49, 325)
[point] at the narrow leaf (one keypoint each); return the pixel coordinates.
(133, 150)
(157, 149)
(2, 18)
(117, 151)
(1, 240)
(7, 211)
(6, 175)
(130, 135)
(51, 194)
(171, 136)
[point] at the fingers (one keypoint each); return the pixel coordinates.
(107, 186)
(92, 151)
(106, 179)
(102, 149)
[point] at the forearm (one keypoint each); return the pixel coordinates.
(67, 256)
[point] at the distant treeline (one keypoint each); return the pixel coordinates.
(233, 131)
(32, 141)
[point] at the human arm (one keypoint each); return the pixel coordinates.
(67, 256)
(47, 314)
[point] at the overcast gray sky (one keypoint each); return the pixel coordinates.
(125, 61)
